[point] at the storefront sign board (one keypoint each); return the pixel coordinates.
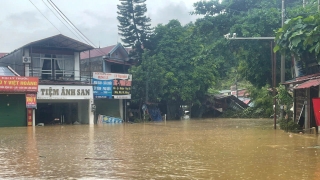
(18, 84)
(112, 85)
(64, 92)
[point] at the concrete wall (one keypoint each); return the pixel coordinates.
(83, 113)
(108, 107)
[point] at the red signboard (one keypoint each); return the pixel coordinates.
(18, 84)
(316, 109)
(29, 117)
(31, 100)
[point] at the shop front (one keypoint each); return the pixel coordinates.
(65, 104)
(16, 100)
(112, 92)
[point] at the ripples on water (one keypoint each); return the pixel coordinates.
(188, 149)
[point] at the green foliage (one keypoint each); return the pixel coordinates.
(186, 62)
(188, 73)
(149, 71)
(300, 37)
(135, 26)
(250, 58)
(284, 97)
(289, 125)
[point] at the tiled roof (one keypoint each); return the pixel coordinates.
(97, 52)
(2, 54)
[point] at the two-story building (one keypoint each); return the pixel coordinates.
(111, 59)
(64, 96)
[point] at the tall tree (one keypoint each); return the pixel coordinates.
(246, 18)
(188, 74)
(135, 26)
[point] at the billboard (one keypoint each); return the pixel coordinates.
(18, 84)
(111, 85)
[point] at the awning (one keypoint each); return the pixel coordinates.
(308, 84)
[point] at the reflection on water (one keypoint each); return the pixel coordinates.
(188, 149)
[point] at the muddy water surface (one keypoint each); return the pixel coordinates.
(188, 149)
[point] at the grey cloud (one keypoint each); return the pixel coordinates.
(172, 11)
(24, 20)
(103, 32)
(99, 25)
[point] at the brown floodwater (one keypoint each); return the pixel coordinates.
(187, 149)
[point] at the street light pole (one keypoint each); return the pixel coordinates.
(273, 62)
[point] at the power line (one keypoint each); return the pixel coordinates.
(44, 16)
(61, 20)
(65, 18)
(60, 12)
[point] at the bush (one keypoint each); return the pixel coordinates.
(289, 125)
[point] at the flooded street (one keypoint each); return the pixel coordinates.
(188, 149)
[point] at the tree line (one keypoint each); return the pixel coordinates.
(182, 64)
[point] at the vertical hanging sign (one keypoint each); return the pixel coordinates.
(31, 101)
(29, 117)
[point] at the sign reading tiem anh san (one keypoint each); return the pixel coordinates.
(64, 92)
(18, 84)
(112, 85)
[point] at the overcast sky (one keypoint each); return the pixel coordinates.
(21, 22)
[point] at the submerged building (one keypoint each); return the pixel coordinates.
(63, 95)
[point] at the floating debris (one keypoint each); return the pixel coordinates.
(105, 159)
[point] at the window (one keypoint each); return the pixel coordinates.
(50, 66)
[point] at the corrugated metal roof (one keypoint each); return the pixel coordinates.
(60, 41)
(4, 71)
(308, 84)
(302, 78)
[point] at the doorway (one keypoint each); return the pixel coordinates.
(67, 113)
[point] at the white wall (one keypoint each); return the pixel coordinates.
(121, 108)
(76, 66)
(26, 66)
(85, 115)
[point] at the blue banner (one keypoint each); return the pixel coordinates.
(102, 88)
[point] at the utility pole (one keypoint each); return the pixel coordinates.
(274, 67)
(147, 86)
(318, 5)
(283, 57)
(236, 83)
(304, 3)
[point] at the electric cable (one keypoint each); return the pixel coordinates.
(61, 20)
(44, 16)
(60, 12)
